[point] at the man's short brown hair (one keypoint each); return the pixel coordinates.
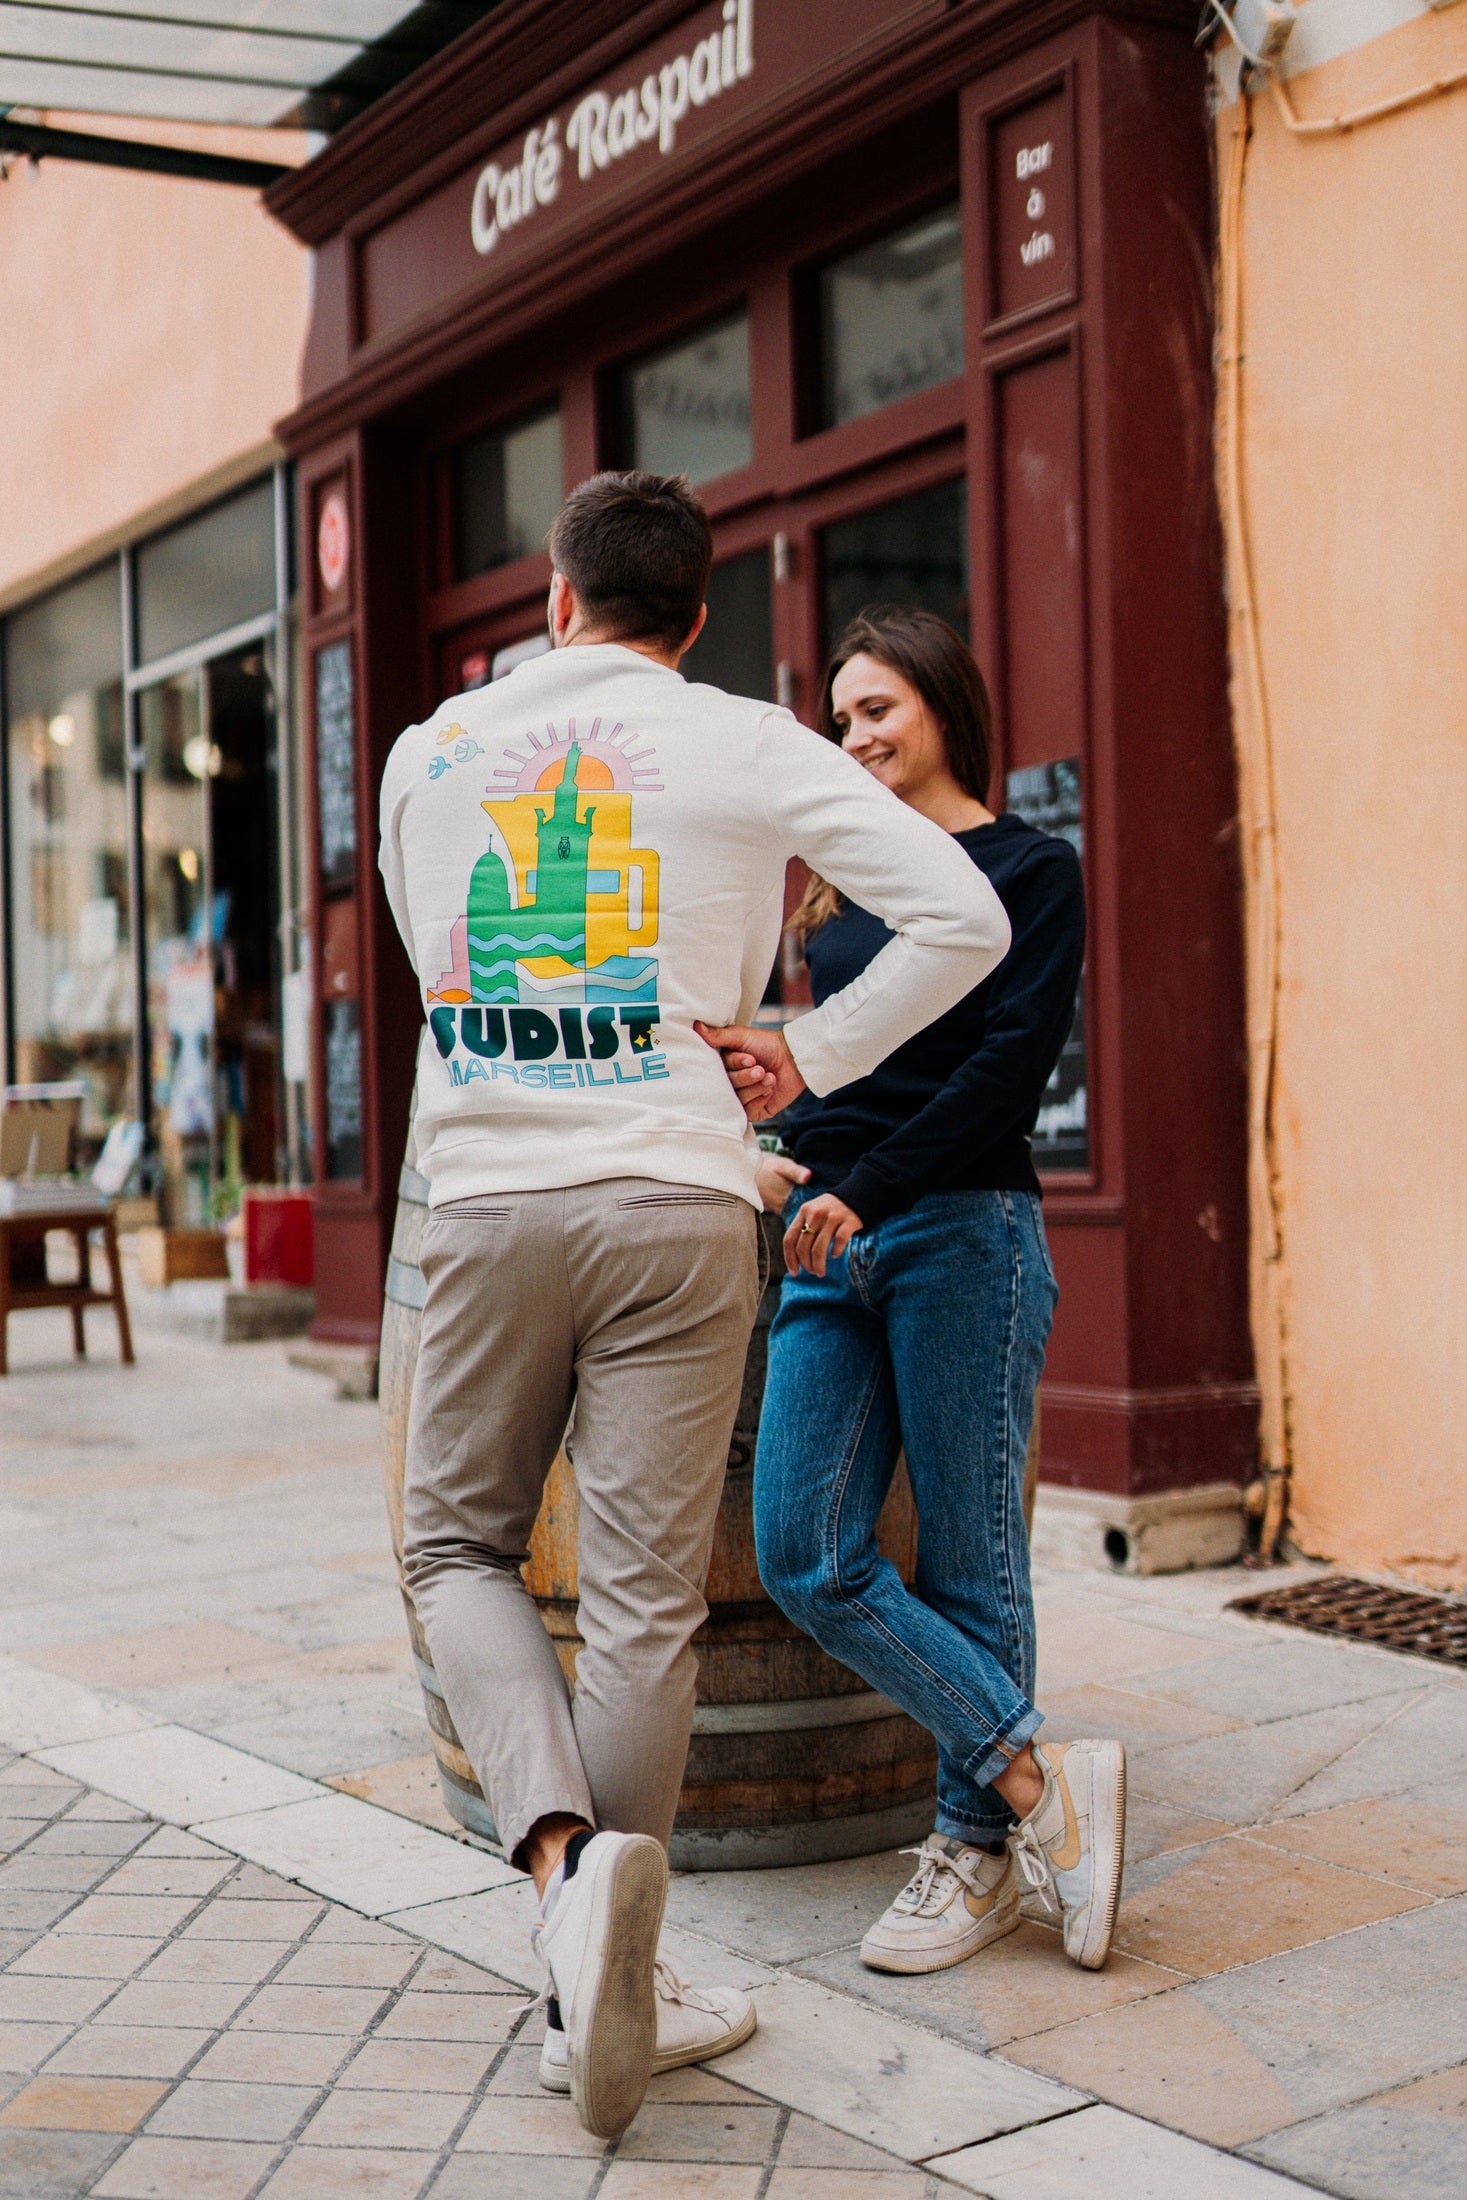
(637, 549)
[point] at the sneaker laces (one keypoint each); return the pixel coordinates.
(1033, 1863)
(670, 1987)
(925, 1893)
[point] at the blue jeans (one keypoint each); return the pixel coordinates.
(926, 1336)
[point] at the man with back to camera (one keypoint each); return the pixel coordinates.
(586, 861)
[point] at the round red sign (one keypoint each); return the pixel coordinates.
(333, 541)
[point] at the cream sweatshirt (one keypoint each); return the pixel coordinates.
(589, 855)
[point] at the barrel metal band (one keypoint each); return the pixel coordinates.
(406, 1286)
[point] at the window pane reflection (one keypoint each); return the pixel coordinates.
(913, 551)
(507, 488)
(735, 650)
(687, 409)
(891, 318)
(70, 916)
(212, 573)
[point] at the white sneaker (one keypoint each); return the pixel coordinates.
(694, 2023)
(1074, 1839)
(599, 1945)
(956, 1901)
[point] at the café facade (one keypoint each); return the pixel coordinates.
(920, 295)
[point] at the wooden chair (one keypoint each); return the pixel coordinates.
(24, 1283)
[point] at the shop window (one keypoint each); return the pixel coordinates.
(207, 576)
(69, 925)
(735, 650)
(891, 318)
(913, 551)
(686, 410)
(507, 488)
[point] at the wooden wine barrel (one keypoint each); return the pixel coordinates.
(794, 1759)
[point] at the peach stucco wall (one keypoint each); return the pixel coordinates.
(153, 331)
(1355, 464)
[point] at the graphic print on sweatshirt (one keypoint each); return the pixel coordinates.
(548, 962)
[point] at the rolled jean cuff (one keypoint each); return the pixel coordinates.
(1006, 1747)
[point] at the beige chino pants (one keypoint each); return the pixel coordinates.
(629, 1305)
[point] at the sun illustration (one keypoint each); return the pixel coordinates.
(606, 761)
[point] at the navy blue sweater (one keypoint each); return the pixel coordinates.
(954, 1109)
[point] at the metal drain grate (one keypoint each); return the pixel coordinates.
(1366, 1611)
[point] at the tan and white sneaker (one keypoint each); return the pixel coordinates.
(956, 1901)
(1073, 1841)
(694, 2023)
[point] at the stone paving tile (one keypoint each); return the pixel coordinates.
(1414, 1840)
(1019, 1985)
(82, 2104)
(723, 2131)
(338, 1963)
(1101, 2151)
(417, 2066)
(24, 2046)
(143, 1657)
(167, 2001)
(226, 1962)
(89, 1837)
(784, 1916)
(129, 2050)
(1281, 1679)
(1260, 1769)
(51, 2000)
(1426, 1744)
(445, 2016)
(541, 2124)
(171, 1875)
(314, 2173)
(226, 2108)
(153, 1915)
(280, 1918)
(838, 2184)
(1169, 2058)
(275, 2058)
(423, 2120)
(1229, 1902)
(1407, 2144)
(516, 2177)
(348, 2009)
(51, 2165)
(408, 1785)
(84, 1955)
(1142, 1721)
(1153, 1828)
(180, 1775)
(185, 2169)
(64, 1874)
(680, 2181)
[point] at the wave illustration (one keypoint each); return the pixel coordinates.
(532, 943)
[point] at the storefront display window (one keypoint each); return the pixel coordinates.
(736, 648)
(911, 551)
(507, 489)
(686, 410)
(891, 318)
(207, 576)
(70, 921)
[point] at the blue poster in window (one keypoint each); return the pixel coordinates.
(1048, 796)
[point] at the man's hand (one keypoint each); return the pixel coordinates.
(776, 1178)
(823, 1227)
(760, 1067)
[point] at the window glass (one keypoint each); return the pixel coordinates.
(914, 551)
(212, 573)
(735, 650)
(507, 488)
(687, 409)
(891, 318)
(70, 920)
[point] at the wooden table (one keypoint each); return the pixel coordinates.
(23, 1279)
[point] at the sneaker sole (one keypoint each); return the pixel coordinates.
(1107, 1850)
(918, 1962)
(555, 2078)
(615, 2039)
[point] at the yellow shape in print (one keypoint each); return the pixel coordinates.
(619, 919)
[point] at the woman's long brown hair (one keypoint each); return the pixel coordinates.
(937, 662)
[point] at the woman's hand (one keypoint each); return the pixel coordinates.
(777, 1177)
(824, 1226)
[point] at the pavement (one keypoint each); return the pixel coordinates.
(243, 1949)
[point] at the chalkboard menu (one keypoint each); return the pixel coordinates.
(343, 1090)
(1048, 795)
(336, 790)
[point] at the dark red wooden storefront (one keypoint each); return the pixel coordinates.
(1065, 449)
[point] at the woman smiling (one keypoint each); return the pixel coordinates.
(916, 1319)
